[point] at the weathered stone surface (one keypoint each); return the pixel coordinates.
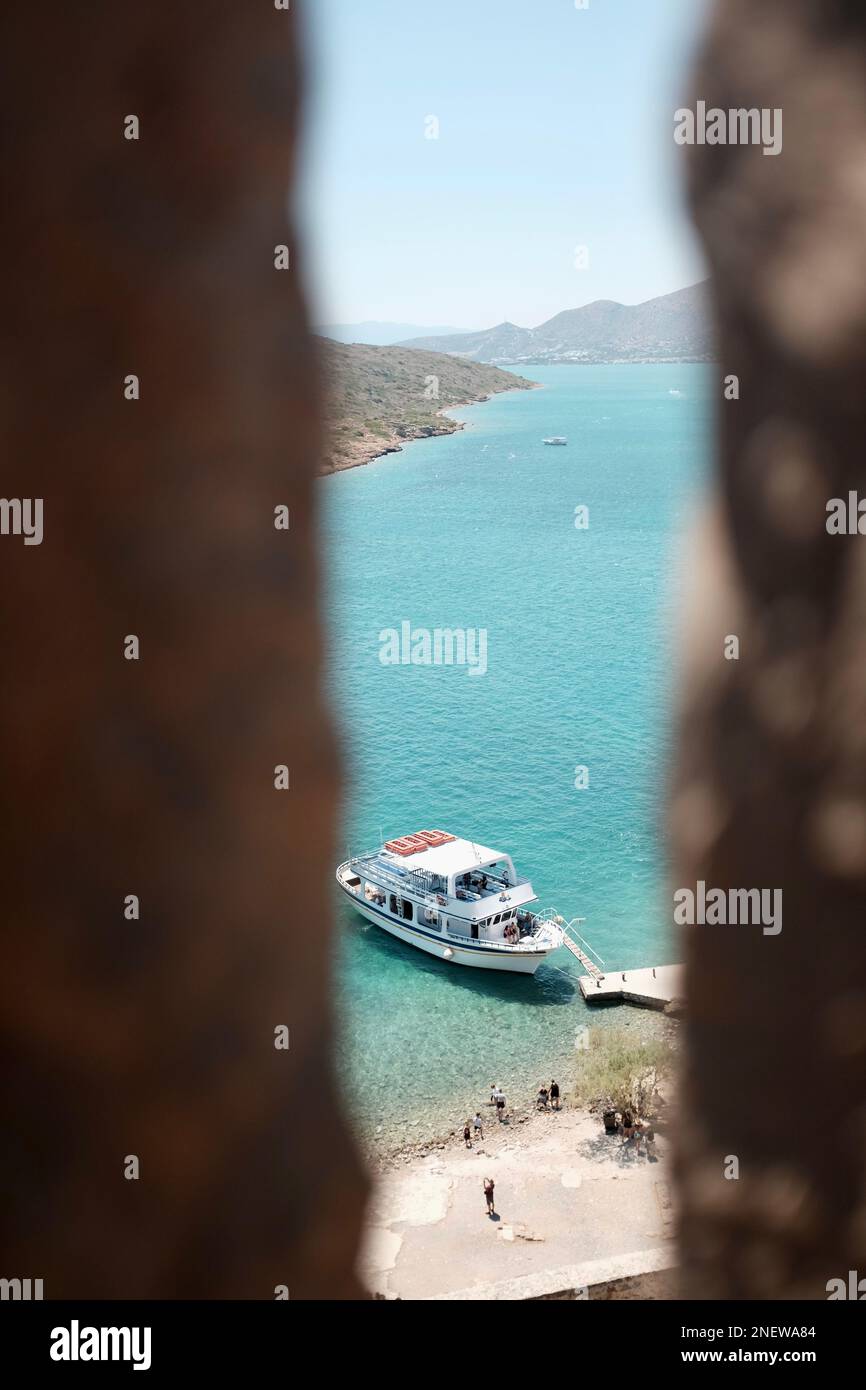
(771, 783)
(156, 777)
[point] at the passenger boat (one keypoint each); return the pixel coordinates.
(454, 899)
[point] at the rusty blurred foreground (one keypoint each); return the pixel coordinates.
(155, 777)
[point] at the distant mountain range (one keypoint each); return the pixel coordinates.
(381, 334)
(672, 328)
(378, 398)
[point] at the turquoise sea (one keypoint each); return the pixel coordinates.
(476, 530)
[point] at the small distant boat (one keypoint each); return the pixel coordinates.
(555, 439)
(454, 899)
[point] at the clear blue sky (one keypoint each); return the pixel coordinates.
(556, 130)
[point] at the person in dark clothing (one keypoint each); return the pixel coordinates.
(488, 1195)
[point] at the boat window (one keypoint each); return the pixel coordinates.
(393, 904)
(496, 919)
(407, 910)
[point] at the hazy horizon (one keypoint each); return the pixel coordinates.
(482, 327)
(555, 131)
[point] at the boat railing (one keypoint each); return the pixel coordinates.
(571, 930)
(496, 890)
(494, 942)
(576, 943)
(405, 882)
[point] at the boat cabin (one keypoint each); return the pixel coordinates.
(447, 884)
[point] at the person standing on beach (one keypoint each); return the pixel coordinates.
(500, 1106)
(554, 1095)
(476, 1125)
(467, 1137)
(488, 1196)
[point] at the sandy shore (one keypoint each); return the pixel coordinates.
(567, 1195)
(438, 1125)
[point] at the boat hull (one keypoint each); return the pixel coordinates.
(479, 957)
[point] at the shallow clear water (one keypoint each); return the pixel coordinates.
(476, 530)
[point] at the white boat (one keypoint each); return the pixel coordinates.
(454, 899)
(555, 439)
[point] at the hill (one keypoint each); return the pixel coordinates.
(671, 328)
(380, 334)
(379, 398)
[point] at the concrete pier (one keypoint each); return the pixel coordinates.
(654, 987)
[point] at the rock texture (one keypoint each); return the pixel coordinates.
(155, 1038)
(380, 398)
(771, 783)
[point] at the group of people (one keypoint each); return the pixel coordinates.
(636, 1135)
(474, 882)
(497, 1098)
(471, 883)
(473, 1128)
(548, 1097)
